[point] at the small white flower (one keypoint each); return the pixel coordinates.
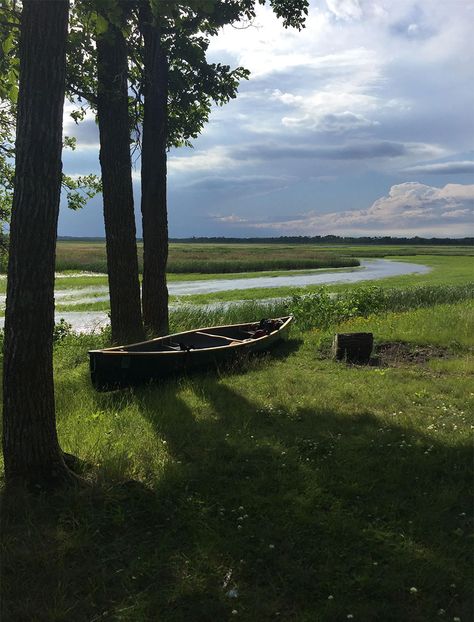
(232, 593)
(271, 546)
(441, 612)
(234, 612)
(456, 619)
(330, 597)
(413, 590)
(350, 616)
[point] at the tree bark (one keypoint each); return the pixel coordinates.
(30, 444)
(153, 172)
(116, 165)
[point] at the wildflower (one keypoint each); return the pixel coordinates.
(330, 597)
(350, 616)
(413, 590)
(234, 612)
(271, 546)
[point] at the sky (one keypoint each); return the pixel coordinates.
(360, 124)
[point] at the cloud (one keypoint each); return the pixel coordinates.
(409, 207)
(412, 26)
(242, 184)
(230, 219)
(344, 121)
(443, 168)
(215, 158)
(353, 150)
(345, 9)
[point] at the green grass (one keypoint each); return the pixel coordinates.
(208, 258)
(292, 480)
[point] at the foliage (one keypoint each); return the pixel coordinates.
(62, 329)
(78, 189)
(321, 309)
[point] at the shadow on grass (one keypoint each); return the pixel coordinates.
(287, 509)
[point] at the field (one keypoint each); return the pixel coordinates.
(291, 487)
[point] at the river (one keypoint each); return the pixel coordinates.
(370, 269)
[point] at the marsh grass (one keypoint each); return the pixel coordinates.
(208, 258)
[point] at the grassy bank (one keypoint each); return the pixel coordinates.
(294, 488)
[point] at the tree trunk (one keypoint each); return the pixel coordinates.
(153, 205)
(116, 165)
(30, 444)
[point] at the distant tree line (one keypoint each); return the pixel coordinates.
(329, 239)
(302, 239)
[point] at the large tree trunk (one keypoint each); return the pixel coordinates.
(153, 205)
(115, 161)
(30, 445)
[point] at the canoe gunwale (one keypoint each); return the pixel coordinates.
(119, 351)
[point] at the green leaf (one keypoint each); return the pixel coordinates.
(7, 44)
(101, 25)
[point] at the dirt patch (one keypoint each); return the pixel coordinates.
(393, 353)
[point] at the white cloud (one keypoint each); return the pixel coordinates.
(230, 219)
(345, 9)
(409, 207)
(213, 159)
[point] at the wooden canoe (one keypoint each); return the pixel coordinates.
(137, 363)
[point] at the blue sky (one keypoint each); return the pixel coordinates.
(361, 124)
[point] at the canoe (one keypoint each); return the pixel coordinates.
(137, 363)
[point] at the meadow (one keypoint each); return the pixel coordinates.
(290, 487)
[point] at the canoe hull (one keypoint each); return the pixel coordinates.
(115, 368)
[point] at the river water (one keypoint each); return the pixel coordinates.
(370, 269)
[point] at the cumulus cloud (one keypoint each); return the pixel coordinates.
(409, 207)
(442, 168)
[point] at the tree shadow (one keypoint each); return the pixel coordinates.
(287, 508)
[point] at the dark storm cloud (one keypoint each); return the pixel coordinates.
(243, 183)
(350, 151)
(442, 168)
